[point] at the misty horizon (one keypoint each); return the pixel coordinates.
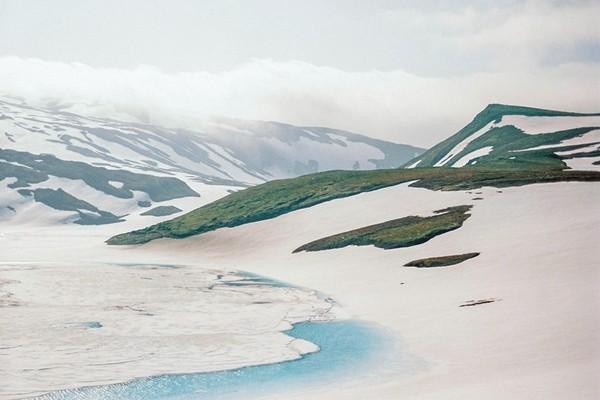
(408, 72)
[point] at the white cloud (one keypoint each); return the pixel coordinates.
(393, 105)
(532, 32)
(493, 36)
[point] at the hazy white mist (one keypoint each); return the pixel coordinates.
(408, 71)
(392, 105)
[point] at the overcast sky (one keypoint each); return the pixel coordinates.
(408, 71)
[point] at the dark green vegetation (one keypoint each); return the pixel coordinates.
(401, 232)
(443, 261)
(471, 303)
(161, 211)
(61, 200)
(25, 176)
(34, 168)
(507, 141)
(279, 197)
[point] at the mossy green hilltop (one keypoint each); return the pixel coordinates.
(510, 144)
(279, 197)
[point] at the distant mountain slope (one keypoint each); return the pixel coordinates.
(109, 194)
(107, 169)
(224, 151)
(514, 136)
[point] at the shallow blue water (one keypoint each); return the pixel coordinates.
(347, 348)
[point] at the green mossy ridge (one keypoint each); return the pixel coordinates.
(279, 197)
(401, 232)
(162, 211)
(495, 112)
(444, 261)
(61, 200)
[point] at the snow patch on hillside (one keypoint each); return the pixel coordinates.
(414, 165)
(464, 160)
(533, 125)
(463, 144)
(590, 137)
(583, 163)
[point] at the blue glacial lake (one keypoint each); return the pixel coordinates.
(349, 348)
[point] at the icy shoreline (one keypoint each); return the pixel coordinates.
(74, 324)
(346, 349)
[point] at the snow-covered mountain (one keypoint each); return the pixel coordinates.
(515, 136)
(60, 166)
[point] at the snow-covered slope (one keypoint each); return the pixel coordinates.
(504, 135)
(93, 170)
(538, 263)
(538, 339)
